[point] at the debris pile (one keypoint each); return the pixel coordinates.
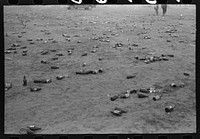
(151, 59)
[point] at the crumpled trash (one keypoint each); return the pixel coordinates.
(8, 86)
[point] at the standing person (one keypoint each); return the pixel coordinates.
(156, 9)
(164, 8)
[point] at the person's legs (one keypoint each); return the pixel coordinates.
(156, 9)
(164, 8)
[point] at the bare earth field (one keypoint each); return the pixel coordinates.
(80, 104)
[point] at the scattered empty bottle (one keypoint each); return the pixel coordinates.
(24, 54)
(44, 62)
(132, 91)
(43, 81)
(24, 47)
(125, 95)
(186, 74)
(12, 48)
(33, 128)
(35, 89)
(29, 39)
(100, 70)
(147, 37)
(54, 41)
(24, 81)
(85, 54)
(157, 97)
(39, 39)
(84, 64)
(54, 58)
(118, 111)
(173, 85)
(44, 52)
(170, 55)
(95, 46)
(60, 77)
(144, 90)
(100, 58)
(93, 51)
(147, 61)
(130, 76)
(7, 52)
(59, 55)
(113, 98)
(169, 108)
(15, 45)
(54, 67)
(32, 42)
(142, 95)
(165, 59)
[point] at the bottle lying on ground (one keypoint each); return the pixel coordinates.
(35, 89)
(118, 111)
(169, 108)
(132, 91)
(142, 95)
(125, 95)
(33, 128)
(43, 81)
(130, 76)
(114, 97)
(60, 77)
(144, 90)
(157, 97)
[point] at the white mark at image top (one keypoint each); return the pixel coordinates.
(77, 1)
(153, 1)
(101, 1)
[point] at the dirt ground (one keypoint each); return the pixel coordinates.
(80, 104)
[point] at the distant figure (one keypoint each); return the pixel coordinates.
(164, 8)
